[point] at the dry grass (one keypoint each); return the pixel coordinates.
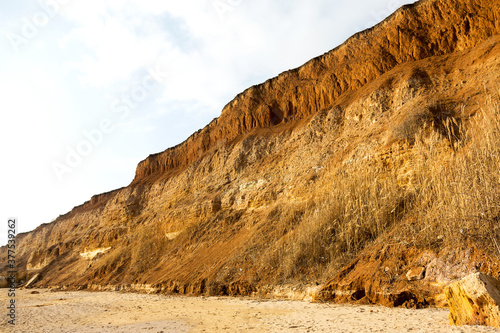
(359, 207)
(437, 187)
(460, 198)
(440, 187)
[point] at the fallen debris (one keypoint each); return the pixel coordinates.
(474, 300)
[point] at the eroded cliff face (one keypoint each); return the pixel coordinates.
(263, 195)
(414, 32)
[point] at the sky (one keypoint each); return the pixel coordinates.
(89, 88)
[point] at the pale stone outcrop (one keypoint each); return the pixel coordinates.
(33, 279)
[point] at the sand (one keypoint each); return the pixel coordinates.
(80, 311)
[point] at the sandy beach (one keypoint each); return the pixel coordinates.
(46, 311)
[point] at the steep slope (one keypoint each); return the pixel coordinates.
(337, 169)
(414, 32)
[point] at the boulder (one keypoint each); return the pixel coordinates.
(474, 300)
(415, 274)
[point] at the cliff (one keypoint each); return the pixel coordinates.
(371, 160)
(414, 32)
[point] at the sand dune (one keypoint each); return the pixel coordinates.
(80, 311)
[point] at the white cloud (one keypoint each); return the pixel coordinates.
(208, 59)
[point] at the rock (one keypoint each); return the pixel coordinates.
(450, 266)
(415, 274)
(474, 300)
